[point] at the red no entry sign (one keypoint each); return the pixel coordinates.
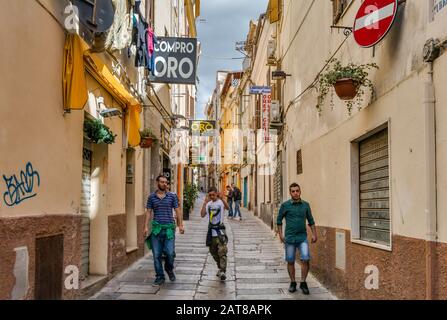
(373, 21)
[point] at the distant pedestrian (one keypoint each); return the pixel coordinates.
(296, 211)
(162, 238)
(214, 207)
(237, 198)
(230, 202)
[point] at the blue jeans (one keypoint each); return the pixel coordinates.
(230, 211)
(291, 251)
(161, 244)
(237, 209)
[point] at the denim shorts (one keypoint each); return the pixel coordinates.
(291, 248)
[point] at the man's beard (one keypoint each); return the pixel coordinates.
(162, 188)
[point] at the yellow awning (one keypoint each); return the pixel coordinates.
(73, 77)
(273, 10)
(191, 18)
(78, 90)
(197, 7)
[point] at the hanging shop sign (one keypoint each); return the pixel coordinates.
(203, 128)
(373, 21)
(175, 60)
(266, 108)
(260, 89)
(96, 15)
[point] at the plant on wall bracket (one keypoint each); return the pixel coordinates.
(148, 138)
(97, 132)
(348, 81)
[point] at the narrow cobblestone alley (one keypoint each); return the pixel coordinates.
(256, 268)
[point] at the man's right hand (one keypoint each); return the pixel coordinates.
(281, 237)
(146, 232)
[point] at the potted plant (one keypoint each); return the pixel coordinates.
(190, 195)
(348, 81)
(97, 132)
(148, 138)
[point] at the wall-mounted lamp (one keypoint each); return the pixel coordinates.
(279, 75)
(106, 112)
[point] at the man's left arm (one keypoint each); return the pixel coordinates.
(311, 221)
(179, 215)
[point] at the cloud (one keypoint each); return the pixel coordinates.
(227, 22)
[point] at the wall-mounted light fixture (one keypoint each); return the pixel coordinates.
(279, 75)
(106, 112)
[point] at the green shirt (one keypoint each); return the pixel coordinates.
(296, 214)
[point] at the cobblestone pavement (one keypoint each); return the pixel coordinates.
(256, 268)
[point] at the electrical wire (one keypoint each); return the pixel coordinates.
(221, 58)
(299, 28)
(294, 100)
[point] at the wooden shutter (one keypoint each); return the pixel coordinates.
(338, 7)
(49, 265)
(374, 189)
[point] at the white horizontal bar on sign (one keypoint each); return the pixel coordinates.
(374, 17)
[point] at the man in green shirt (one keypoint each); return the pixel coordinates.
(296, 211)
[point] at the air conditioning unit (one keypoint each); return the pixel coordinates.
(271, 53)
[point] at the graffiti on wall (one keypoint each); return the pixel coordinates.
(22, 187)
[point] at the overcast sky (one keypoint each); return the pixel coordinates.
(227, 22)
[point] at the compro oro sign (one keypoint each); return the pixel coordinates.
(175, 60)
(373, 21)
(202, 128)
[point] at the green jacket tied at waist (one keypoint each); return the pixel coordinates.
(157, 228)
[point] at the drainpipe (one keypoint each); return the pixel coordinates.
(432, 50)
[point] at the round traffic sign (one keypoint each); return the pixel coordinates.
(373, 21)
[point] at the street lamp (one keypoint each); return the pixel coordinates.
(279, 75)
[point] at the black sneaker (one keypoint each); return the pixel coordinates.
(292, 287)
(171, 276)
(223, 277)
(159, 281)
(304, 288)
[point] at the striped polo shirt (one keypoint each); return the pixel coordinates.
(162, 208)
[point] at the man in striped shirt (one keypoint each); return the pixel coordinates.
(162, 238)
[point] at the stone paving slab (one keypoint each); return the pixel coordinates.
(255, 271)
(138, 289)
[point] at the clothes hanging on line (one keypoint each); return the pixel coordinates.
(120, 34)
(151, 41)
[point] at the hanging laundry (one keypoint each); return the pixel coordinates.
(151, 41)
(140, 39)
(120, 35)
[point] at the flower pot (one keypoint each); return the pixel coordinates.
(346, 89)
(185, 213)
(146, 143)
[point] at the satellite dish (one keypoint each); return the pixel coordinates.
(96, 15)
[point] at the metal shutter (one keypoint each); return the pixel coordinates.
(85, 211)
(374, 189)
